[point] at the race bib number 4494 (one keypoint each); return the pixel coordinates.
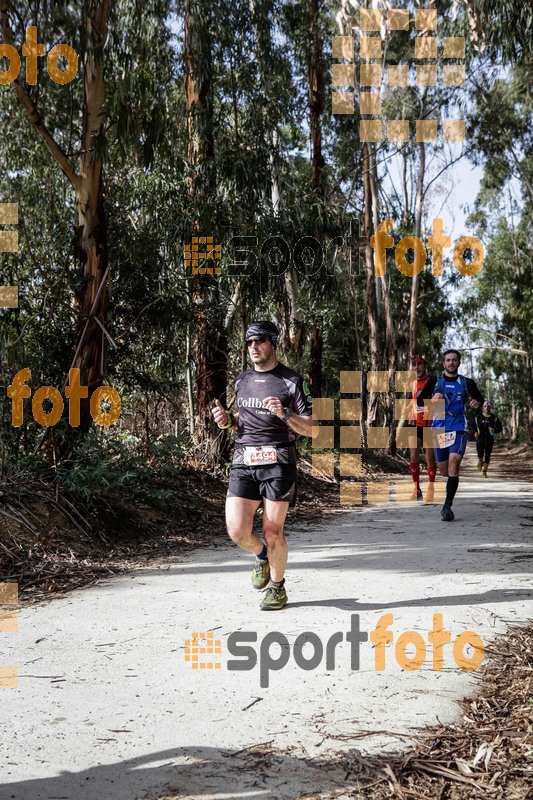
(260, 455)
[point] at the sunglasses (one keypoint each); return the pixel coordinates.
(257, 340)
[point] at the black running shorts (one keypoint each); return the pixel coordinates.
(273, 481)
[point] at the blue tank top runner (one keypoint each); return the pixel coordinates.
(456, 396)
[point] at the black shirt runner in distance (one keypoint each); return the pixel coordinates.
(256, 424)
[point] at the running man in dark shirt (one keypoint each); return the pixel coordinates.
(450, 430)
(486, 425)
(273, 405)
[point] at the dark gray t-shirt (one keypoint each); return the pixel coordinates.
(257, 425)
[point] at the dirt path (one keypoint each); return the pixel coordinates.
(107, 706)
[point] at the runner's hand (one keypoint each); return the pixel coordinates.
(474, 404)
(476, 435)
(274, 405)
(438, 396)
(219, 413)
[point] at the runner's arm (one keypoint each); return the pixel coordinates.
(473, 427)
(302, 420)
(474, 392)
(299, 423)
(221, 416)
(303, 424)
(498, 427)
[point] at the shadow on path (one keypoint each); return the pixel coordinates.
(257, 772)
(351, 604)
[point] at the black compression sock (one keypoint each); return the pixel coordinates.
(451, 487)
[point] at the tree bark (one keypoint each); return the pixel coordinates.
(371, 300)
(316, 94)
(415, 281)
(210, 345)
(91, 234)
(315, 364)
(529, 395)
(315, 80)
(383, 297)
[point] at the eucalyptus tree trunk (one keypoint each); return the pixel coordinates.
(383, 297)
(371, 299)
(529, 395)
(91, 240)
(210, 345)
(415, 280)
(91, 233)
(261, 11)
(315, 82)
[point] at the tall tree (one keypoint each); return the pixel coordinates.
(86, 181)
(415, 280)
(210, 348)
(315, 85)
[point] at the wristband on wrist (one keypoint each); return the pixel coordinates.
(230, 423)
(288, 414)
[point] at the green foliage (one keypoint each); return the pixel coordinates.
(258, 62)
(508, 27)
(107, 466)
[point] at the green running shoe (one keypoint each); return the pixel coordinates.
(261, 573)
(275, 598)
